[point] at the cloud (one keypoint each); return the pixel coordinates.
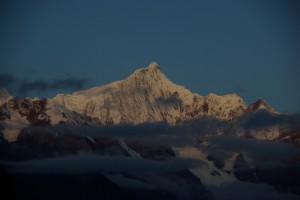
(88, 163)
(6, 80)
(249, 191)
(29, 86)
(124, 182)
(69, 83)
(128, 172)
(156, 133)
(263, 118)
(263, 148)
(25, 86)
(163, 134)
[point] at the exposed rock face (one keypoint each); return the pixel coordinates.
(33, 110)
(18, 113)
(259, 104)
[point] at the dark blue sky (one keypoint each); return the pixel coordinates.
(248, 47)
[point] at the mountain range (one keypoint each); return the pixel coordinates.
(146, 96)
(145, 137)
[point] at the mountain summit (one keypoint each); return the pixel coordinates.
(147, 95)
(153, 66)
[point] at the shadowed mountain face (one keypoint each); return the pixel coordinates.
(166, 165)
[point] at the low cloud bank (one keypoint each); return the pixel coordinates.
(92, 163)
(268, 149)
(23, 87)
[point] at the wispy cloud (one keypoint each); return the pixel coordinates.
(6, 80)
(28, 86)
(86, 162)
(25, 86)
(69, 83)
(263, 148)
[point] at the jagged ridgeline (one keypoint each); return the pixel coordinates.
(145, 96)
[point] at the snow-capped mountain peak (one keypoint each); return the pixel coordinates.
(147, 95)
(153, 66)
(149, 74)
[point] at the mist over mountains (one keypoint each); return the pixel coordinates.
(146, 96)
(147, 135)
